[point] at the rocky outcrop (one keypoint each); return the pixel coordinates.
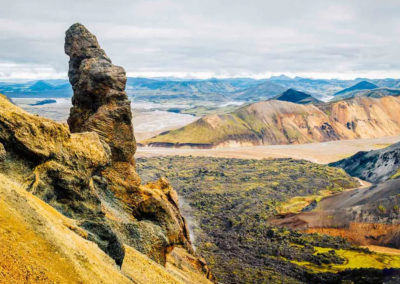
(280, 122)
(99, 102)
(374, 166)
(60, 168)
(86, 171)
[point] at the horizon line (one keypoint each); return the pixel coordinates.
(208, 76)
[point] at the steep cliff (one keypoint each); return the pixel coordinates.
(280, 122)
(89, 175)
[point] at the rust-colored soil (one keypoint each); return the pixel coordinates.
(363, 234)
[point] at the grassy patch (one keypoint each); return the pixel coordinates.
(353, 259)
(297, 203)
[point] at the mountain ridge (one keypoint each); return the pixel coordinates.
(280, 122)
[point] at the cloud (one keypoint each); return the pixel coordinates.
(208, 38)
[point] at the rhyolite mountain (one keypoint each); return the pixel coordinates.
(379, 203)
(365, 216)
(363, 85)
(294, 96)
(375, 165)
(75, 207)
(281, 122)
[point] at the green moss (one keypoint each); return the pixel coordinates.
(353, 259)
(231, 200)
(382, 209)
(204, 131)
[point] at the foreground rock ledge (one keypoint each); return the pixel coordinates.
(89, 175)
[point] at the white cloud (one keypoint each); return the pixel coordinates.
(208, 38)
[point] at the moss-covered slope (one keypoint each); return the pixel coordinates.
(230, 202)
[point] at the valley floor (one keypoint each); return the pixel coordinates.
(322, 153)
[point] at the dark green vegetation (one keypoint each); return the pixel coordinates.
(231, 200)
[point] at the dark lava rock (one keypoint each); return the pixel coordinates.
(99, 102)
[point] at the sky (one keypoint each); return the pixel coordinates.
(207, 38)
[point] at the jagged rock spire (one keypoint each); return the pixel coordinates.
(99, 102)
(146, 217)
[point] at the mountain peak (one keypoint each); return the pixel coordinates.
(295, 96)
(363, 85)
(41, 86)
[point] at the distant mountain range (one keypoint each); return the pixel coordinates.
(208, 90)
(262, 91)
(282, 122)
(37, 89)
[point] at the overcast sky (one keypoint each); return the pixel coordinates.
(325, 39)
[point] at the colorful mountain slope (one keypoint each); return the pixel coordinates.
(280, 122)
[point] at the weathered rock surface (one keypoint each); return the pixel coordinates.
(374, 166)
(59, 168)
(99, 102)
(89, 175)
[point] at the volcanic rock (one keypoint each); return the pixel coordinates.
(86, 169)
(3, 153)
(99, 102)
(374, 166)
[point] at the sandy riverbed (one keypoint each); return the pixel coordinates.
(315, 152)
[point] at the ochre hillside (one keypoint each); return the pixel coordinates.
(281, 122)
